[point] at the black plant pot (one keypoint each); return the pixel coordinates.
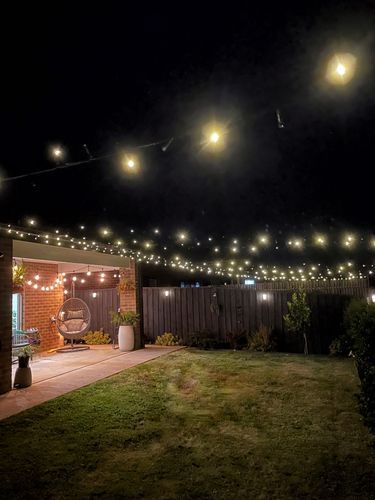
(23, 361)
(23, 377)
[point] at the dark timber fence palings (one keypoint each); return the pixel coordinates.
(235, 309)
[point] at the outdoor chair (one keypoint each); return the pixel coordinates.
(73, 322)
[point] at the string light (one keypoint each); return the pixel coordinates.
(224, 269)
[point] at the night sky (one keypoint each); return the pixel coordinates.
(114, 77)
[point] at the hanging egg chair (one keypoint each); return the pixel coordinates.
(73, 322)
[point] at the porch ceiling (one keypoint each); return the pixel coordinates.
(49, 253)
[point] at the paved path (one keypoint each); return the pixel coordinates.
(49, 383)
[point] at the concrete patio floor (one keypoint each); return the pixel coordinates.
(58, 374)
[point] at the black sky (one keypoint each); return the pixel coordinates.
(113, 76)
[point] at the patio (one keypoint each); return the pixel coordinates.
(57, 374)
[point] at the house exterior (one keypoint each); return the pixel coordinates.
(50, 271)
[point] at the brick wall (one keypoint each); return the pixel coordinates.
(5, 315)
(130, 300)
(39, 306)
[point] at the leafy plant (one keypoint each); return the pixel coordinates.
(238, 340)
(125, 283)
(263, 340)
(297, 320)
(129, 318)
(204, 340)
(359, 321)
(98, 337)
(19, 275)
(340, 346)
(25, 351)
(167, 339)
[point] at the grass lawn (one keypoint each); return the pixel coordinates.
(197, 424)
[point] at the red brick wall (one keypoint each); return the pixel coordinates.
(39, 306)
(130, 300)
(5, 315)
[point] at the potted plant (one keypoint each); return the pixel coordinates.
(126, 321)
(23, 377)
(19, 276)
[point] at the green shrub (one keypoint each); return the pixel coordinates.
(359, 321)
(128, 318)
(297, 320)
(167, 339)
(264, 339)
(238, 340)
(341, 346)
(204, 340)
(97, 338)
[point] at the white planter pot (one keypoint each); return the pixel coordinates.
(126, 338)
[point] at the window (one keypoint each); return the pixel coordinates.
(16, 311)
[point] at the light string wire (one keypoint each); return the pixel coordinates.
(92, 159)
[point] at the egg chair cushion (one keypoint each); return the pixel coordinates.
(73, 325)
(78, 314)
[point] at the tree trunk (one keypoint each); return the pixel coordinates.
(305, 349)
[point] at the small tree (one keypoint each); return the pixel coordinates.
(298, 318)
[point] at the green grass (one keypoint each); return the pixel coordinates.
(197, 424)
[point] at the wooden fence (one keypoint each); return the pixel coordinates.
(105, 300)
(225, 309)
(356, 287)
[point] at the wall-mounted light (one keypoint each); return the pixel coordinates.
(249, 282)
(373, 298)
(166, 293)
(264, 296)
(94, 295)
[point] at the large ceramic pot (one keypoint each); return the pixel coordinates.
(23, 377)
(126, 338)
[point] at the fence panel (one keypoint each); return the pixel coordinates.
(226, 309)
(105, 301)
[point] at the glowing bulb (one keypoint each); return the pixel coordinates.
(214, 137)
(74, 278)
(36, 277)
(130, 162)
(88, 273)
(340, 69)
(102, 275)
(57, 152)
